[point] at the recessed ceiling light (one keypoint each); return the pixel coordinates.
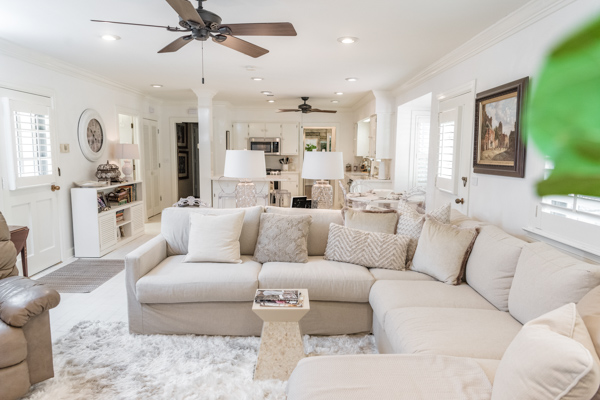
(250, 68)
(339, 93)
(256, 78)
(156, 85)
(351, 79)
(111, 37)
(270, 101)
(347, 39)
(266, 92)
(334, 101)
(270, 95)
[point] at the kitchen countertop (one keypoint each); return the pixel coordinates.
(363, 176)
(269, 178)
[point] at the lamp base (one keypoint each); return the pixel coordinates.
(322, 195)
(127, 170)
(245, 194)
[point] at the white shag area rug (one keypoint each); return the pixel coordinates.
(101, 360)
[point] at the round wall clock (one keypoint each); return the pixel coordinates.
(92, 135)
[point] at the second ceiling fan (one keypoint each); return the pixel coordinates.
(203, 24)
(306, 108)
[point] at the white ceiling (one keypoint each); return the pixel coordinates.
(397, 39)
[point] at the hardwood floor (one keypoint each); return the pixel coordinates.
(106, 303)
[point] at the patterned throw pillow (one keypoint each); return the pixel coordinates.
(282, 238)
(410, 223)
(369, 249)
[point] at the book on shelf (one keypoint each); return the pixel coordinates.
(278, 298)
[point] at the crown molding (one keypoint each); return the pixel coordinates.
(514, 22)
(27, 55)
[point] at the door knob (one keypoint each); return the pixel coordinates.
(459, 201)
(54, 188)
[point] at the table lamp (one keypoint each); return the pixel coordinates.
(323, 166)
(127, 152)
(245, 165)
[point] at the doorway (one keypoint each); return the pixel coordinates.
(317, 139)
(188, 162)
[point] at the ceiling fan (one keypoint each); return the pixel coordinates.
(306, 108)
(203, 24)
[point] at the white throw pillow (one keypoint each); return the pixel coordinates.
(215, 238)
(550, 358)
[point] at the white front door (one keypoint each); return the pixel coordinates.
(151, 167)
(30, 173)
(455, 123)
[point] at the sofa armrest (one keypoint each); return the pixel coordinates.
(143, 260)
(22, 299)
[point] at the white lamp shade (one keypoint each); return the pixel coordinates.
(323, 165)
(245, 164)
(126, 151)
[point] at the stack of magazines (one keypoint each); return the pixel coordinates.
(278, 298)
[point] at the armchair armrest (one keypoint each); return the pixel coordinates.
(143, 260)
(22, 298)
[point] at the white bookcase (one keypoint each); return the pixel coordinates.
(96, 234)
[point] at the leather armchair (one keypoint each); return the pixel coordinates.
(25, 341)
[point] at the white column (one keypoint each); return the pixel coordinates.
(205, 135)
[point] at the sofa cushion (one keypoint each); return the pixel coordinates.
(443, 251)
(546, 279)
(549, 359)
(175, 227)
(492, 264)
(13, 346)
(173, 281)
(388, 376)
(389, 295)
(461, 220)
(282, 238)
(8, 252)
(406, 275)
(461, 332)
(589, 310)
(369, 249)
(325, 280)
(371, 221)
(215, 238)
(319, 228)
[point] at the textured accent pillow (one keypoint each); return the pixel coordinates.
(369, 249)
(443, 251)
(410, 223)
(282, 238)
(215, 238)
(371, 221)
(549, 359)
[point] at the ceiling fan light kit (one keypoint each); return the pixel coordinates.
(306, 108)
(201, 24)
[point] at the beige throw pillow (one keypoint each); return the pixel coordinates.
(549, 359)
(410, 223)
(371, 221)
(215, 238)
(443, 251)
(369, 249)
(282, 238)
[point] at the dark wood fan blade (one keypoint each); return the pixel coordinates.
(176, 44)
(186, 11)
(289, 110)
(265, 29)
(129, 23)
(242, 46)
(324, 111)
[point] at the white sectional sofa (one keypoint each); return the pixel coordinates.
(437, 337)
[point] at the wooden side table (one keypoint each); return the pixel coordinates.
(18, 235)
(281, 344)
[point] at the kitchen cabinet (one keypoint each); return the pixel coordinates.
(240, 136)
(289, 139)
(261, 129)
(373, 136)
(292, 184)
(365, 140)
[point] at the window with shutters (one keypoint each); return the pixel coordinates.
(30, 162)
(420, 138)
(448, 149)
(573, 220)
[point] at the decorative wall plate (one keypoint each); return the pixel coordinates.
(92, 135)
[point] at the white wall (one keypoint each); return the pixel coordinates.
(507, 202)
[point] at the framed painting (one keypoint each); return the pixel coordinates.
(498, 145)
(181, 135)
(183, 165)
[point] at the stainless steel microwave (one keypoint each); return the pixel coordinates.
(271, 146)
